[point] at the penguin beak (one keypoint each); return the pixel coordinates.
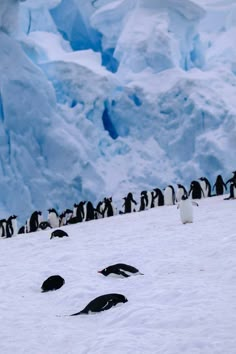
(99, 271)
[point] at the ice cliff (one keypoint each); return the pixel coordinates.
(103, 97)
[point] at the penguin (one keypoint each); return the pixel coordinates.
(62, 219)
(206, 186)
(108, 207)
(102, 303)
(232, 190)
(99, 210)
(59, 233)
(79, 211)
(9, 227)
(53, 218)
(143, 201)
(169, 195)
(233, 179)
(180, 192)
(128, 203)
(68, 215)
(219, 185)
(3, 227)
(44, 225)
(186, 209)
(195, 191)
(34, 221)
(22, 230)
(157, 198)
(120, 269)
(54, 282)
(89, 211)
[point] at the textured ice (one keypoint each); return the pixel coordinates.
(104, 97)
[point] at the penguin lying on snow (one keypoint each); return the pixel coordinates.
(102, 303)
(120, 269)
(59, 233)
(52, 283)
(44, 225)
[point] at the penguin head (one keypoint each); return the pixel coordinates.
(104, 271)
(184, 197)
(12, 217)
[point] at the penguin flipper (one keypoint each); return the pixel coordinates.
(123, 274)
(108, 305)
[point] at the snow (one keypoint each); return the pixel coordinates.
(101, 97)
(184, 303)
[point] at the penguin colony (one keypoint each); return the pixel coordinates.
(85, 210)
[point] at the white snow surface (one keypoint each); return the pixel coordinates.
(101, 97)
(184, 303)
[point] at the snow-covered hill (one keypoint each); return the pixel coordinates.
(98, 98)
(184, 303)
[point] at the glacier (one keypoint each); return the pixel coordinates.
(104, 97)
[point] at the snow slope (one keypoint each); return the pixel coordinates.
(184, 303)
(98, 98)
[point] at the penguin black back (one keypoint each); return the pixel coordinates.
(121, 269)
(219, 185)
(52, 283)
(102, 303)
(59, 233)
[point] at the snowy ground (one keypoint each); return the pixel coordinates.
(185, 302)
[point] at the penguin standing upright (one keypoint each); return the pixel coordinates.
(3, 227)
(232, 190)
(169, 195)
(233, 179)
(53, 218)
(195, 191)
(157, 198)
(206, 186)
(180, 192)
(99, 210)
(129, 203)
(89, 208)
(143, 201)
(186, 209)
(80, 215)
(12, 225)
(219, 185)
(68, 215)
(34, 221)
(108, 207)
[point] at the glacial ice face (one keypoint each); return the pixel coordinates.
(103, 97)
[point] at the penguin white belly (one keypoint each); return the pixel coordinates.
(74, 212)
(14, 225)
(204, 188)
(149, 195)
(53, 220)
(234, 192)
(179, 194)
(186, 211)
(168, 196)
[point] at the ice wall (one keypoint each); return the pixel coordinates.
(103, 97)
